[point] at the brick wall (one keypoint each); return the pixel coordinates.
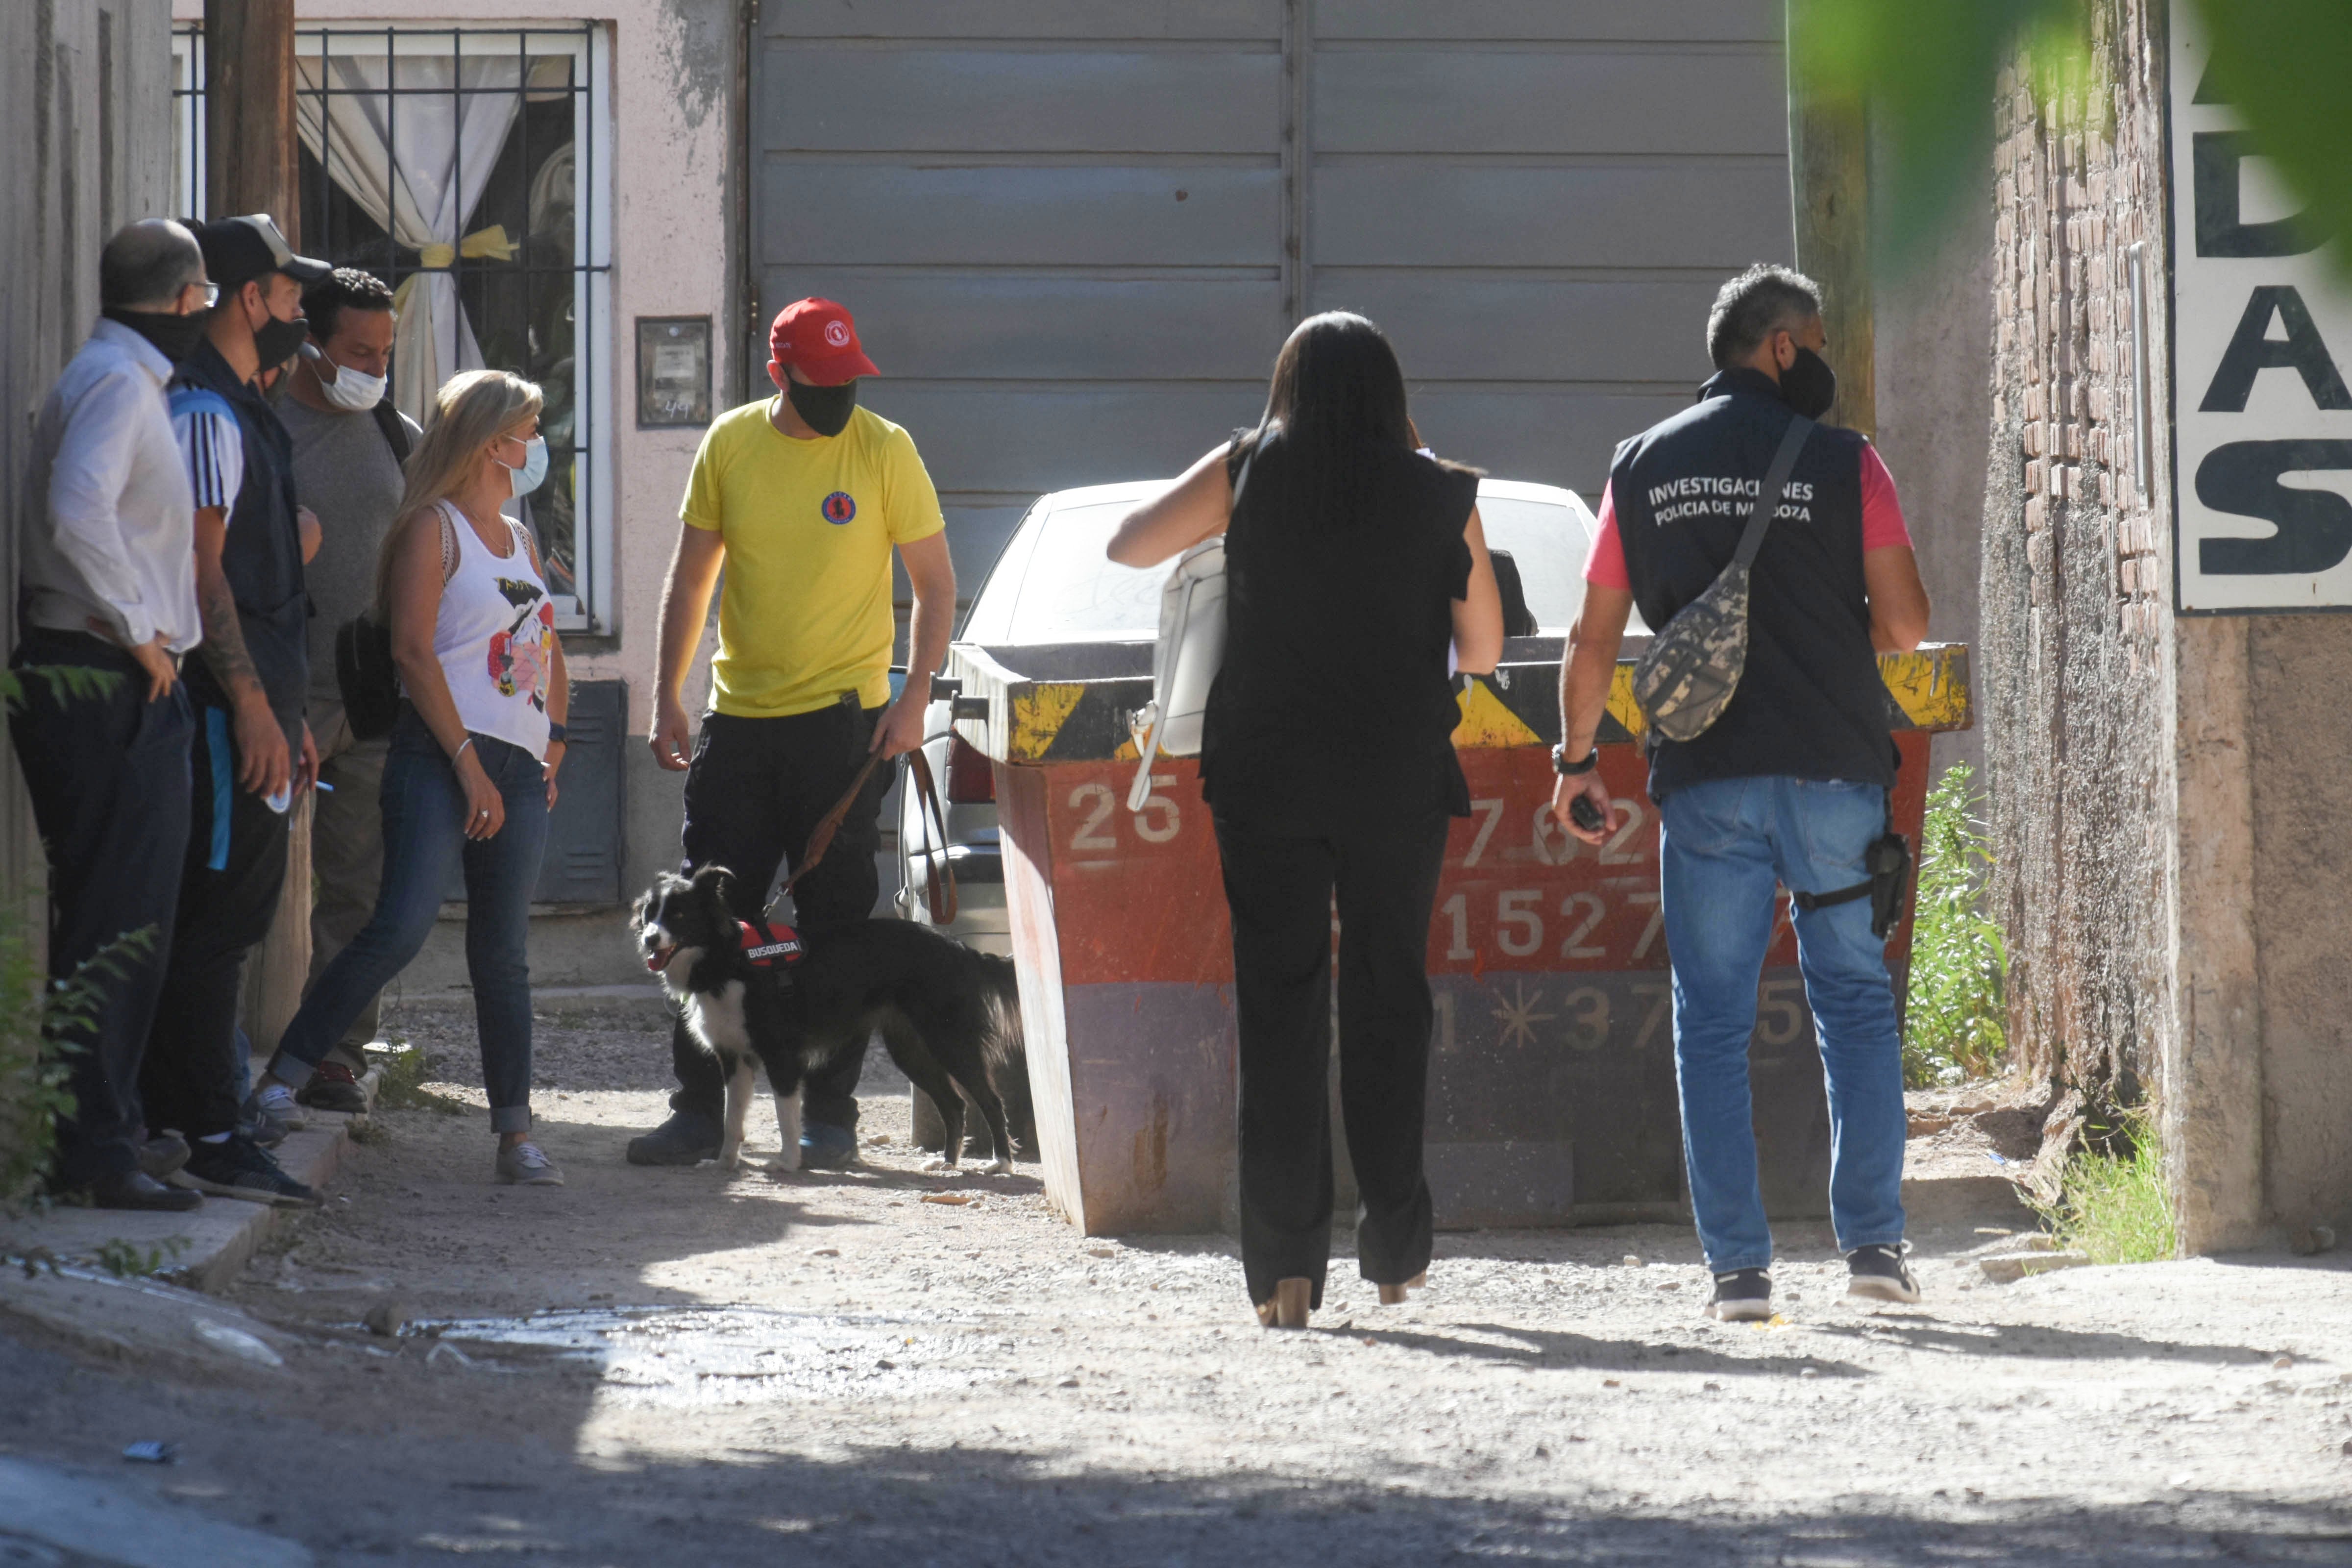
(2073, 671)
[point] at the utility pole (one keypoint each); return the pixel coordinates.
(1829, 182)
(249, 112)
(252, 167)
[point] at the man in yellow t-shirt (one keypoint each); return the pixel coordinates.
(803, 497)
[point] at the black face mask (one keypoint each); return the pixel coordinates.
(827, 408)
(1809, 385)
(276, 341)
(175, 337)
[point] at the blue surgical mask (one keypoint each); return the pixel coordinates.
(533, 472)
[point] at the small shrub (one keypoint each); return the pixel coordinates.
(1954, 1026)
(2112, 1205)
(39, 1020)
(129, 1260)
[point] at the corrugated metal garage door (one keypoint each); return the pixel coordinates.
(1075, 231)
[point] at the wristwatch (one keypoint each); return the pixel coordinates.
(556, 732)
(1567, 770)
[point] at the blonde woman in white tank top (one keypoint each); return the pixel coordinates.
(469, 773)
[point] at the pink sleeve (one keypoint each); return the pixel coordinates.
(1882, 514)
(1606, 564)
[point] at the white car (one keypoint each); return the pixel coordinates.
(1053, 585)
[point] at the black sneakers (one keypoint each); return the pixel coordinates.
(237, 1167)
(138, 1189)
(1879, 1273)
(333, 1087)
(1742, 1296)
(687, 1137)
(160, 1156)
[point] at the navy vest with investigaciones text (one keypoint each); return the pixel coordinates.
(1810, 703)
(262, 555)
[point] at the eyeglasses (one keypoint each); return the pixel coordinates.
(212, 292)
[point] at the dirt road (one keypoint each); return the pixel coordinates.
(684, 1366)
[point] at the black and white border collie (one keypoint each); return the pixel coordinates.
(949, 1017)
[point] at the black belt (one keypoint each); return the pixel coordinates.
(95, 649)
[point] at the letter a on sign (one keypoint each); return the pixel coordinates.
(2262, 417)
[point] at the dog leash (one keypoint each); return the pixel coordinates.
(940, 890)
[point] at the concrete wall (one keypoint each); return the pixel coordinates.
(85, 110)
(2298, 668)
(1933, 326)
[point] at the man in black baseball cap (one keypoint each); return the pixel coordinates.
(252, 752)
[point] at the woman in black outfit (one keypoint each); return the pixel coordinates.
(1352, 561)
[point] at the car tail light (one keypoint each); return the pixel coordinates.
(972, 778)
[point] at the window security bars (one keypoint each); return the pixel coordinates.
(465, 166)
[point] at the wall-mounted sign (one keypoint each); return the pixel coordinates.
(673, 371)
(2261, 344)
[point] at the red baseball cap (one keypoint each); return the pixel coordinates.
(818, 336)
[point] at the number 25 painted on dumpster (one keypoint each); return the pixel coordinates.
(1158, 822)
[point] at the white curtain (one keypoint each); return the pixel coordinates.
(415, 160)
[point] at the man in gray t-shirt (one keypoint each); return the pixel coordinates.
(347, 470)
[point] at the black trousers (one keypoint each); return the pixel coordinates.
(230, 882)
(1280, 885)
(755, 791)
(107, 774)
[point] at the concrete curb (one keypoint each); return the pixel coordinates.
(217, 1240)
(110, 1520)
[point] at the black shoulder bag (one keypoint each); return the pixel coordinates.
(364, 671)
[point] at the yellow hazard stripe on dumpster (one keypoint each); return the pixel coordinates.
(1519, 706)
(1487, 724)
(1931, 685)
(1038, 713)
(1088, 720)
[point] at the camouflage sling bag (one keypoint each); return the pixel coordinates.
(1686, 679)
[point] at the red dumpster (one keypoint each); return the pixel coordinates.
(1552, 1086)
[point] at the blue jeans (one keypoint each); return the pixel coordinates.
(424, 831)
(1723, 845)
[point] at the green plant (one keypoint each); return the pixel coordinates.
(39, 1022)
(1954, 1024)
(129, 1260)
(2112, 1205)
(403, 1088)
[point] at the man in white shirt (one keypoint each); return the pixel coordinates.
(109, 591)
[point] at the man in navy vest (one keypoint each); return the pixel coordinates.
(1788, 787)
(252, 752)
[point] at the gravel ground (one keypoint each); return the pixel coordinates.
(688, 1366)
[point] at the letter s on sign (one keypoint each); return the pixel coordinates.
(2314, 527)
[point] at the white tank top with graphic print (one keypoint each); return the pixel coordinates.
(494, 638)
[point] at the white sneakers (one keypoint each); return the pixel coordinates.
(525, 1166)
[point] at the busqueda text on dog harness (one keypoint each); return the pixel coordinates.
(767, 948)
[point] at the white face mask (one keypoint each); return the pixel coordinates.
(353, 391)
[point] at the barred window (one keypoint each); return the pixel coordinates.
(465, 167)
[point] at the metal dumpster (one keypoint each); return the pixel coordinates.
(1551, 1080)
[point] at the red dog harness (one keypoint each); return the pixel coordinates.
(768, 948)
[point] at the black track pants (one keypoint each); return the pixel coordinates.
(756, 790)
(1280, 885)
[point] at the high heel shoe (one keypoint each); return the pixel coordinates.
(1287, 1307)
(1395, 1295)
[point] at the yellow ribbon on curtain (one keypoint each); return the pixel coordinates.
(489, 243)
